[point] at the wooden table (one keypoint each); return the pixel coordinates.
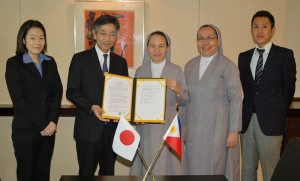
(140, 178)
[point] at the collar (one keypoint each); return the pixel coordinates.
(267, 48)
(160, 63)
(27, 58)
(208, 58)
(100, 52)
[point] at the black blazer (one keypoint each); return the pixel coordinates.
(36, 99)
(275, 92)
(85, 88)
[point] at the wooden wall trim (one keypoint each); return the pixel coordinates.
(69, 110)
(65, 111)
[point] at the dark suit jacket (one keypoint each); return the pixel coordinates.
(85, 88)
(275, 92)
(36, 99)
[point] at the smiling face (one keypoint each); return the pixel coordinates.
(106, 37)
(157, 48)
(262, 31)
(207, 41)
(34, 42)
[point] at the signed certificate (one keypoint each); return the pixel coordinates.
(139, 100)
(150, 100)
(117, 96)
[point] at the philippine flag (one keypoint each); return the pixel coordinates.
(126, 140)
(173, 136)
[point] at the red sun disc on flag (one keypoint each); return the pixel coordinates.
(127, 137)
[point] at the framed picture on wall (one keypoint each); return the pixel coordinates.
(130, 14)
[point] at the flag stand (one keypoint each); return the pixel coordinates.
(144, 162)
(154, 160)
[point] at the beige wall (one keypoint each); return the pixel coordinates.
(292, 37)
(179, 18)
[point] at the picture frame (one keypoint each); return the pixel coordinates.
(130, 42)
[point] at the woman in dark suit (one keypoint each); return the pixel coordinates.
(35, 88)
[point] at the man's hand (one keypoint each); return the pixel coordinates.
(98, 113)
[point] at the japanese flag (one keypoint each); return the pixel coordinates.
(126, 140)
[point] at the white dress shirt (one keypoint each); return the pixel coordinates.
(101, 58)
(255, 57)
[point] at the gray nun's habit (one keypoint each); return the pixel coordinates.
(152, 134)
(215, 109)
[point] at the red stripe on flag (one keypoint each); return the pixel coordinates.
(175, 144)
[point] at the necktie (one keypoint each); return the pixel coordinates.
(259, 66)
(104, 68)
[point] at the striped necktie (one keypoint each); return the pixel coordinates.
(104, 68)
(259, 66)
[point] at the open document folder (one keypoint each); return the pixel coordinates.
(136, 99)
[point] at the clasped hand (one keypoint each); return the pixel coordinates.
(49, 130)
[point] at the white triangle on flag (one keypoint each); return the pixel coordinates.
(173, 136)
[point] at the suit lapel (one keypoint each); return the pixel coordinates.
(112, 64)
(95, 62)
(32, 69)
(247, 61)
(165, 70)
(268, 64)
(210, 70)
(147, 70)
(194, 71)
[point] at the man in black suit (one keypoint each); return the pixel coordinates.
(93, 134)
(268, 76)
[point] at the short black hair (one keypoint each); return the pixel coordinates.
(264, 13)
(25, 27)
(106, 19)
(158, 33)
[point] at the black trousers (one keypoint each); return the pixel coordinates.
(90, 154)
(33, 153)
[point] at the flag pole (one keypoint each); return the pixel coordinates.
(154, 160)
(144, 162)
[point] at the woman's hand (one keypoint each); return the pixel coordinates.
(232, 139)
(172, 84)
(49, 130)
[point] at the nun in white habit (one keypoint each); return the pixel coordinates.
(156, 64)
(213, 116)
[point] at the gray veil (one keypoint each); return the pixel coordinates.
(147, 58)
(220, 48)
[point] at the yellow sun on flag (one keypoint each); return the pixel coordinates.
(173, 129)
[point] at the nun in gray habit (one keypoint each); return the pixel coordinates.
(214, 111)
(168, 162)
